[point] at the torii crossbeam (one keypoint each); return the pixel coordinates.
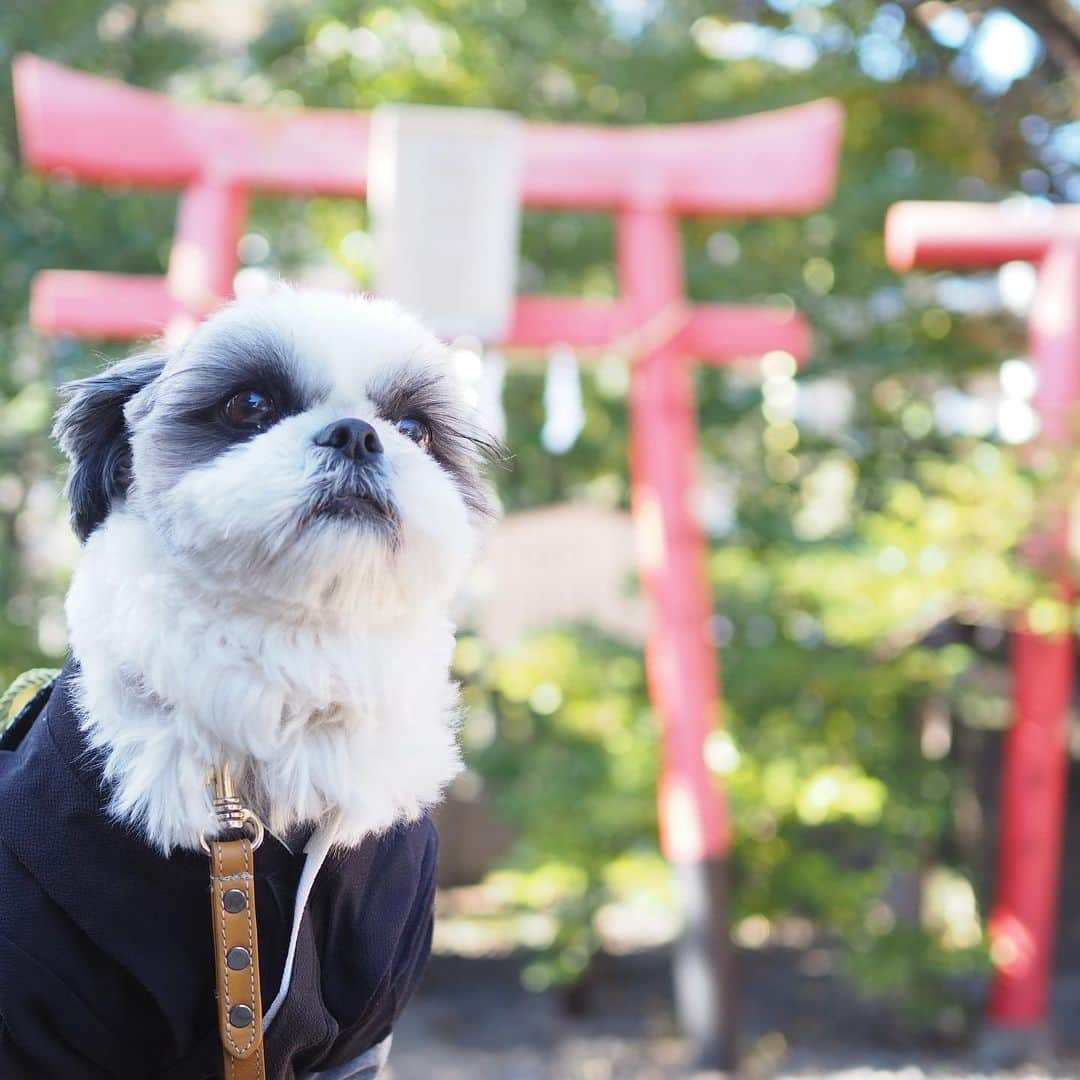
(783, 162)
(982, 236)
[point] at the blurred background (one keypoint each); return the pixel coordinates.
(864, 518)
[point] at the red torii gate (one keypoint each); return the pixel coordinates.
(981, 236)
(784, 162)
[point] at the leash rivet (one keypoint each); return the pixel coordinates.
(237, 958)
(234, 901)
(240, 1016)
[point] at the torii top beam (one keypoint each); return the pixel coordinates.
(104, 132)
(773, 163)
(974, 235)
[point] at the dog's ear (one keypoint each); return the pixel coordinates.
(92, 431)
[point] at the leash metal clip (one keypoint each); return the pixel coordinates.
(232, 814)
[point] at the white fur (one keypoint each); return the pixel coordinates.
(315, 663)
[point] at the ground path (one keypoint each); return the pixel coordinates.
(474, 1021)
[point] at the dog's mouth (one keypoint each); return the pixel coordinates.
(358, 505)
(358, 497)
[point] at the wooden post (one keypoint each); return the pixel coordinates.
(1036, 752)
(681, 661)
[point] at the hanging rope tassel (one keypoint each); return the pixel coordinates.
(564, 406)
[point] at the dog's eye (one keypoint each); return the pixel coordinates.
(414, 429)
(248, 409)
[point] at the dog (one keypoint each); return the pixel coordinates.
(275, 517)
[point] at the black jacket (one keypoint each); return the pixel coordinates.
(106, 960)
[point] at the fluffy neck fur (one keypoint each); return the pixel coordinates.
(321, 718)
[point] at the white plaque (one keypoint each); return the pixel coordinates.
(444, 191)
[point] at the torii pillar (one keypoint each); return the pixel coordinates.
(98, 131)
(981, 236)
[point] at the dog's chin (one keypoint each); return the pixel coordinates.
(340, 558)
(348, 558)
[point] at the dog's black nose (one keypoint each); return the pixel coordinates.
(356, 439)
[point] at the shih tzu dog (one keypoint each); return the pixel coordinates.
(276, 516)
(267, 569)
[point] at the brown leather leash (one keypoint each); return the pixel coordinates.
(236, 935)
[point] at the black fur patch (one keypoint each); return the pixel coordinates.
(92, 432)
(190, 397)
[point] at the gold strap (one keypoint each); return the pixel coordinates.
(236, 944)
(21, 692)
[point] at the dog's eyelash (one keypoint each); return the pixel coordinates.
(488, 448)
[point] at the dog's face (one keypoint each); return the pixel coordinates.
(303, 449)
